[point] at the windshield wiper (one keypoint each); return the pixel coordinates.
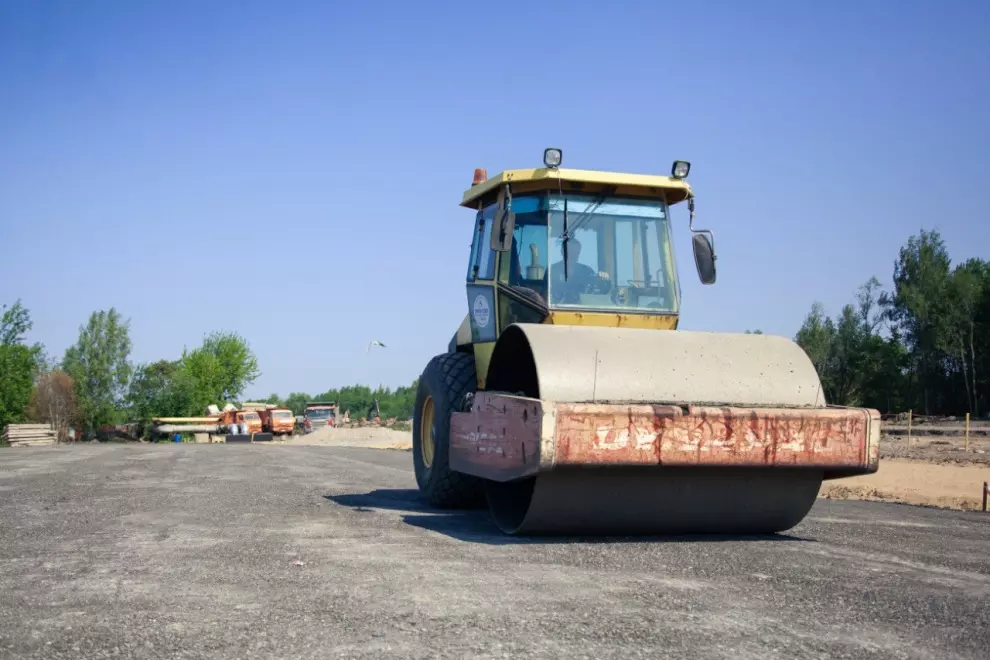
(583, 217)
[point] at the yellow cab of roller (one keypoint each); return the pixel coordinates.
(574, 247)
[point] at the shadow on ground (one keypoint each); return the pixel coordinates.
(476, 525)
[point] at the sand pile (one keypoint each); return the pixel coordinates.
(369, 436)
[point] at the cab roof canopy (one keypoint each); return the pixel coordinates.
(578, 181)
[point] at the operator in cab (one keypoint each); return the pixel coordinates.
(581, 278)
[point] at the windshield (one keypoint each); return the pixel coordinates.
(618, 254)
(283, 414)
(318, 413)
(251, 416)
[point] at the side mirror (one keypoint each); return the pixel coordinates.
(704, 258)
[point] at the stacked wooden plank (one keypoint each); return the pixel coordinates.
(29, 435)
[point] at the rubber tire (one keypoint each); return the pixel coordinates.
(446, 378)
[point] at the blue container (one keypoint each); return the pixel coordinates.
(177, 438)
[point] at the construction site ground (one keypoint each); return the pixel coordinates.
(929, 470)
(278, 551)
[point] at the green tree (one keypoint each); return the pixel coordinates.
(967, 288)
(14, 324)
(883, 376)
(221, 368)
(99, 364)
(855, 364)
(19, 364)
(161, 389)
(981, 349)
(920, 306)
(355, 398)
(296, 402)
(358, 399)
(936, 351)
(817, 337)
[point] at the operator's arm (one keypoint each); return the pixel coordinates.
(588, 274)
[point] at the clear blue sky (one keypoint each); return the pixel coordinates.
(145, 147)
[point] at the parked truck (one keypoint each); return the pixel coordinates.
(230, 421)
(277, 421)
(249, 418)
(319, 414)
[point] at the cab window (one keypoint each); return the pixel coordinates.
(524, 267)
(482, 263)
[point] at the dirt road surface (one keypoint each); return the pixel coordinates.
(915, 482)
(276, 551)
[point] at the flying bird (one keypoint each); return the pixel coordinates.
(375, 342)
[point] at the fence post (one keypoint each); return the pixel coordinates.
(967, 432)
(986, 491)
(910, 416)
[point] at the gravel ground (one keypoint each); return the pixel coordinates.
(255, 551)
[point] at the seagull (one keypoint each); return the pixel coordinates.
(374, 342)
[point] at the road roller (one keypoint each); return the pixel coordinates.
(569, 402)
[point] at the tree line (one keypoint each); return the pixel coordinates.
(358, 400)
(922, 345)
(95, 384)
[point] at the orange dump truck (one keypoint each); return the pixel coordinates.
(277, 421)
(250, 418)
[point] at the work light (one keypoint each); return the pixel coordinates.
(552, 158)
(680, 169)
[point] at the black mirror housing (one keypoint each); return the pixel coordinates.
(704, 258)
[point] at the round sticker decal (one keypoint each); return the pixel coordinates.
(482, 312)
